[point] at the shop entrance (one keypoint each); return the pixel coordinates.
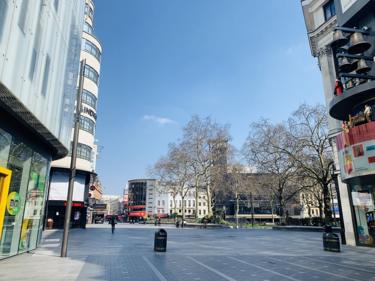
(5, 176)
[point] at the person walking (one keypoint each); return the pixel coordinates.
(113, 222)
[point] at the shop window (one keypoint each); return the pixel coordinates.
(33, 214)
(329, 10)
(363, 196)
(5, 140)
(19, 163)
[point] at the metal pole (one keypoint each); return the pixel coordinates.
(342, 226)
(68, 210)
(252, 209)
(237, 208)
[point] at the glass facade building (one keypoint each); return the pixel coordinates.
(38, 74)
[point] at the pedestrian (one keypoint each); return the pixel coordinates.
(113, 222)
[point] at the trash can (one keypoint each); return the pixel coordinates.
(331, 242)
(160, 243)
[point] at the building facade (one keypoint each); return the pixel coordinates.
(91, 51)
(39, 46)
(339, 37)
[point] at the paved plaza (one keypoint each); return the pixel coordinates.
(193, 254)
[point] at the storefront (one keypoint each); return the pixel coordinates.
(23, 175)
(356, 151)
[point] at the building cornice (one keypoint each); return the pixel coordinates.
(318, 33)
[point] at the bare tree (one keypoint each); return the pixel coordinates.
(262, 150)
(206, 143)
(309, 148)
(175, 174)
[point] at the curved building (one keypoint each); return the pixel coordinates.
(87, 149)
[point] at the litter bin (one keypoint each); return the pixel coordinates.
(331, 242)
(160, 243)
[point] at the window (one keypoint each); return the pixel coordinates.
(189, 203)
(22, 16)
(199, 204)
(163, 203)
(91, 48)
(46, 75)
(89, 12)
(56, 4)
(89, 98)
(34, 55)
(200, 212)
(204, 212)
(86, 124)
(170, 203)
(193, 203)
(3, 12)
(329, 10)
(87, 28)
(83, 151)
(158, 202)
(91, 74)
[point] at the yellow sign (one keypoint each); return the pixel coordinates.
(5, 176)
(13, 203)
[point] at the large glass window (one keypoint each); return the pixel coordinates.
(32, 219)
(84, 151)
(89, 98)
(86, 124)
(363, 196)
(5, 140)
(91, 74)
(19, 163)
(89, 11)
(329, 10)
(91, 48)
(86, 28)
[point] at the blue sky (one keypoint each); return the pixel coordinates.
(166, 60)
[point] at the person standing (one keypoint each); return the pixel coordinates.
(113, 222)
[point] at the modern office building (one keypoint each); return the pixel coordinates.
(39, 61)
(341, 36)
(87, 148)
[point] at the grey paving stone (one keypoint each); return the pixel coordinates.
(193, 254)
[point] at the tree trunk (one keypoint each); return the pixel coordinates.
(327, 205)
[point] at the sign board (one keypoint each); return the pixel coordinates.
(356, 151)
(363, 199)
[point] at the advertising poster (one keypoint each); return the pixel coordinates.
(356, 151)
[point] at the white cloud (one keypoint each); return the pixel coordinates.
(159, 120)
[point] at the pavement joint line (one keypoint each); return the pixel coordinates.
(153, 268)
(318, 270)
(265, 269)
(341, 265)
(212, 269)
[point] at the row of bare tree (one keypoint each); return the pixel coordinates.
(292, 156)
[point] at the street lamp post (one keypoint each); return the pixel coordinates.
(68, 210)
